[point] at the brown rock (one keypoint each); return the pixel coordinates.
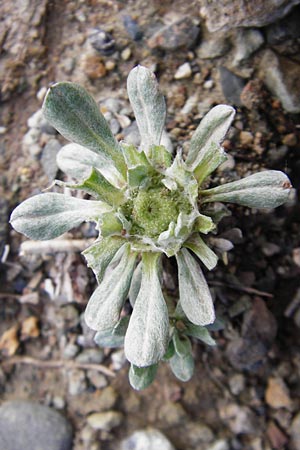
(94, 67)
(277, 394)
(277, 438)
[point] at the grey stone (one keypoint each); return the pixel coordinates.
(172, 413)
(285, 29)
(232, 86)
(97, 379)
(26, 425)
(149, 439)
(198, 433)
(221, 444)
(295, 432)
(77, 382)
(180, 34)
(282, 77)
(247, 42)
(240, 419)
(91, 356)
(48, 158)
(228, 14)
(214, 46)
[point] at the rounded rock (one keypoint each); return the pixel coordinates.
(25, 425)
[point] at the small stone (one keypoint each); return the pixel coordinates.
(247, 42)
(183, 71)
(270, 249)
(70, 351)
(102, 41)
(149, 439)
(25, 425)
(232, 86)
(30, 142)
(58, 402)
(132, 28)
(282, 77)
(246, 138)
(229, 164)
(221, 444)
(110, 65)
(77, 382)
(97, 379)
(290, 140)
(118, 359)
(208, 84)
(214, 47)
(277, 394)
(284, 29)
(126, 54)
(48, 158)
(172, 413)
(237, 384)
(181, 34)
(105, 421)
(94, 67)
(41, 93)
(295, 432)
(277, 438)
(91, 356)
(296, 256)
(240, 419)
(108, 398)
(3, 130)
(198, 433)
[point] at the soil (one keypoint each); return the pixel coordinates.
(255, 286)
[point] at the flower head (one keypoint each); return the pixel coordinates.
(146, 203)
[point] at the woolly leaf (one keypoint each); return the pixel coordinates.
(148, 105)
(104, 307)
(113, 337)
(195, 297)
(75, 114)
(141, 377)
(147, 335)
(204, 253)
(200, 333)
(182, 362)
(267, 189)
(135, 284)
(47, 216)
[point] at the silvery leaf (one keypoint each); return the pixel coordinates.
(212, 129)
(182, 362)
(194, 294)
(213, 157)
(75, 114)
(204, 224)
(204, 253)
(267, 189)
(148, 331)
(159, 157)
(138, 167)
(141, 377)
(100, 254)
(47, 216)
(77, 162)
(200, 333)
(148, 105)
(113, 337)
(135, 284)
(105, 305)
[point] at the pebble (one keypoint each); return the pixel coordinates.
(229, 164)
(110, 65)
(102, 41)
(3, 130)
(94, 67)
(247, 42)
(290, 140)
(70, 351)
(118, 359)
(237, 383)
(246, 138)
(232, 86)
(277, 438)
(172, 413)
(41, 93)
(277, 394)
(97, 379)
(270, 249)
(282, 77)
(25, 425)
(183, 71)
(132, 28)
(214, 47)
(240, 419)
(180, 34)
(108, 398)
(295, 432)
(148, 439)
(208, 84)
(198, 433)
(105, 421)
(30, 142)
(76, 382)
(48, 158)
(221, 444)
(126, 54)
(91, 356)
(285, 29)
(58, 402)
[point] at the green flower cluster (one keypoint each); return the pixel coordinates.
(147, 204)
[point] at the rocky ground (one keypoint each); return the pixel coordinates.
(245, 393)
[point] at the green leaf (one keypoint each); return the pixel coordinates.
(195, 297)
(159, 157)
(113, 337)
(100, 254)
(75, 114)
(204, 224)
(104, 307)
(137, 165)
(211, 130)
(148, 332)
(200, 333)
(267, 189)
(182, 362)
(148, 105)
(110, 224)
(204, 253)
(47, 216)
(141, 377)
(100, 188)
(210, 160)
(77, 162)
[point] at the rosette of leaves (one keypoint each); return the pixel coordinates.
(146, 203)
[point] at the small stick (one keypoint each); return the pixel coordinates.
(57, 364)
(246, 289)
(55, 246)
